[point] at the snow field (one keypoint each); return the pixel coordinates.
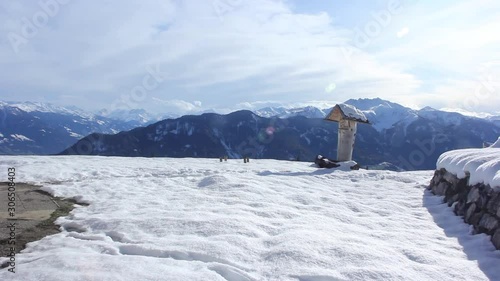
(199, 219)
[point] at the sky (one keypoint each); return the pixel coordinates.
(187, 56)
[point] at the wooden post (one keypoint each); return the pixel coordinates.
(347, 134)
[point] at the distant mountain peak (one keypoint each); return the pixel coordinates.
(46, 108)
(135, 115)
(372, 103)
(286, 112)
(428, 108)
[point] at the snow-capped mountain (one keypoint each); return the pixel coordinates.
(284, 112)
(447, 118)
(412, 143)
(464, 112)
(384, 114)
(410, 139)
(39, 128)
(136, 117)
(47, 108)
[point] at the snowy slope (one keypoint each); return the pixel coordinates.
(464, 112)
(383, 114)
(495, 120)
(446, 118)
(199, 219)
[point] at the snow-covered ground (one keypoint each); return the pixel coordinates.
(199, 219)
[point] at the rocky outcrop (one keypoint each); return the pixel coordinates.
(479, 204)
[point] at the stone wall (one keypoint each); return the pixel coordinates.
(479, 205)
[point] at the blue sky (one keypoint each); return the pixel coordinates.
(174, 56)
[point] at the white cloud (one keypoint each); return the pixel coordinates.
(403, 32)
(177, 106)
(233, 58)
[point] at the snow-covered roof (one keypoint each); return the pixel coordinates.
(482, 164)
(346, 112)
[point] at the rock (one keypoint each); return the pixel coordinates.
(495, 239)
(435, 179)
(474, 195)
(479, 205)
(452, 200)
(470, 211)
(440, 189)
(454, 192)
(462, 184)
(483, 200)
(488, 224)
(494, 203)
(488, 190)
(475, 219)
(356, 167)
(451, 178)
(459, 208)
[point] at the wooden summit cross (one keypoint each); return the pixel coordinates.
(348, 118)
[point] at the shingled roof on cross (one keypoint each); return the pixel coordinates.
(346, 112)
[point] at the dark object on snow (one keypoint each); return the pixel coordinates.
(356, 167)
(324, 162)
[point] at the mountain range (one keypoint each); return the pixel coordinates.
(398, 137)
(409, 139)
(40, 128)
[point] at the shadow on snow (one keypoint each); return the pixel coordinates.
(477, 247)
